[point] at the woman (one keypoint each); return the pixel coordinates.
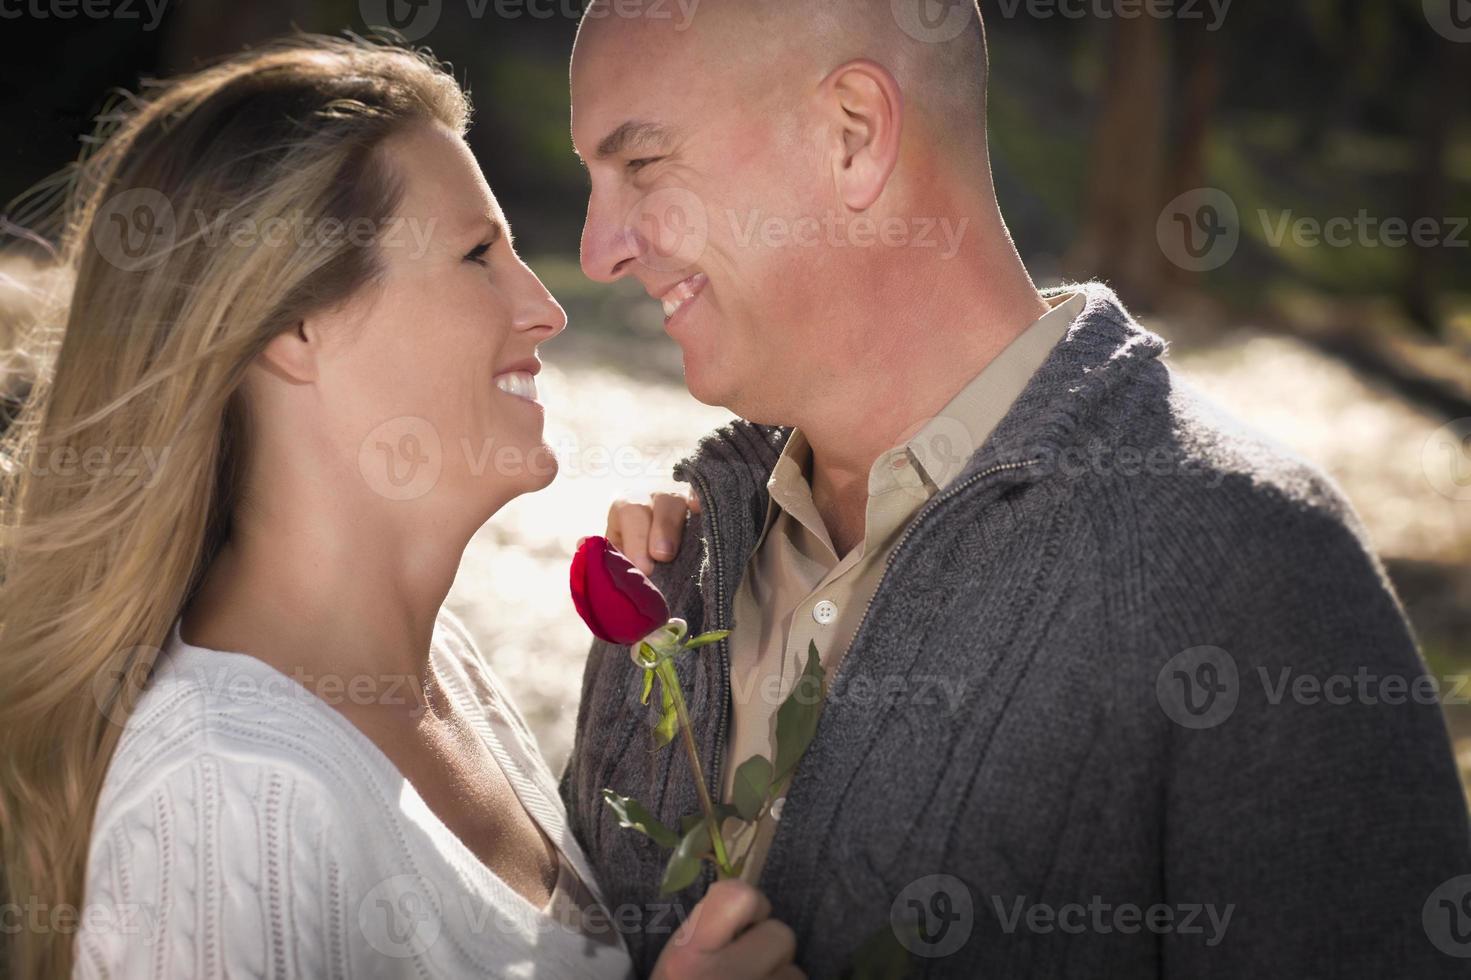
(297, 373)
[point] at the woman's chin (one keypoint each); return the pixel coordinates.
(539, 469)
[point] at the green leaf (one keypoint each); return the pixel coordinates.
(722, 811)
(752, 786)
(648, 684)
(684, 864)
(668, 724)
(705, 639)
(796, 719)
(664, 731)
(633, 815)
(882, 957)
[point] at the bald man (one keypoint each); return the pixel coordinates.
(1076, 629)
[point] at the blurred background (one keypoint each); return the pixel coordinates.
(1280, 189)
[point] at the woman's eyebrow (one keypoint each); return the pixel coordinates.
(494, 227)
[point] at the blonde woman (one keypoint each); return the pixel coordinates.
(240, 735)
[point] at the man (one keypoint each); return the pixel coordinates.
(1064, 612)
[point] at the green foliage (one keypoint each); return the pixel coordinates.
(669, 719)
(684, 864)
(633, 815)
(796, 719)
(752, 786)
(881, 957)
(705, 639)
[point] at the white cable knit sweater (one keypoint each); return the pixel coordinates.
(246, 828)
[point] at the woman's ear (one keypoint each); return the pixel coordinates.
(867, 113)
(292, 354)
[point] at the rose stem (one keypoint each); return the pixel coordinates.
(670, 681)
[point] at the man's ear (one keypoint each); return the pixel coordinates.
(292, 354)
(868, 117)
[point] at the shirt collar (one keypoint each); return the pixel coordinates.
(945, 444)
(940, 449)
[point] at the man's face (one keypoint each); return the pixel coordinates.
(696, 186)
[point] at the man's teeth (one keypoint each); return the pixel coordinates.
(517, 383)
(682, 294)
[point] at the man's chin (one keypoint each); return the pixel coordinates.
(707, 387)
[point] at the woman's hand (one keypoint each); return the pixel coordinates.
(652, 531)
(730, 936)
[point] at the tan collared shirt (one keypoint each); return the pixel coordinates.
(798, 590)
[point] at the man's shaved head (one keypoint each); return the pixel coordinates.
(766, 45)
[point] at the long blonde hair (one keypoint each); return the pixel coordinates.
(121, 470)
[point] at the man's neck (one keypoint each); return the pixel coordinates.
(875, 406)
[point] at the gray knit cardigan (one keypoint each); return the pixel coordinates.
(1077, 733)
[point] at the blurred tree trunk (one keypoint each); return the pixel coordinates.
(1117, 241)
(1437, 110)
(1199, 67)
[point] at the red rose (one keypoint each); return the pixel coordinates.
(615, 599)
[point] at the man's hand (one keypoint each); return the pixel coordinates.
(730, 935)
(650, 532)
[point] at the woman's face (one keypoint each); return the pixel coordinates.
(437, 371)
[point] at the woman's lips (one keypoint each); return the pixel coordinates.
(522, 384)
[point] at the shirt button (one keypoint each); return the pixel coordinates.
(825, 612)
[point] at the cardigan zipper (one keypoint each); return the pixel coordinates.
(929, 509)
(722, 649)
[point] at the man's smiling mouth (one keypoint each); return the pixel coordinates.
(682, 293)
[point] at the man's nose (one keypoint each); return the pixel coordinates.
(609, 246)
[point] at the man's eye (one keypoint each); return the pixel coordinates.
(642, 162)
(478, 253)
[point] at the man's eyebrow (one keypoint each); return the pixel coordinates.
(633, 133)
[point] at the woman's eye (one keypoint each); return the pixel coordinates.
(478, 253)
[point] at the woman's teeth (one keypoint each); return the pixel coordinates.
(518, 383)
(682, 294)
